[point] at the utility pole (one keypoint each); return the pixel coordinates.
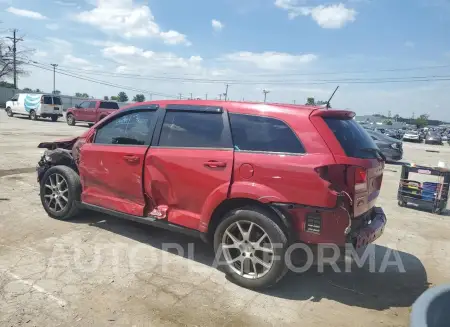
(220, 96)
(151, 97)
(179, 95)
(265, 94)
(293, 101)
(226, 92)
(191, 96)
(54, 77)
(206, 96)
(14, 39)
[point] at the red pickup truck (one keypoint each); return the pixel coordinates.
(90, 111)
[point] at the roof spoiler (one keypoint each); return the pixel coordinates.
(343, 114)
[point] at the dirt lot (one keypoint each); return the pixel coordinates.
(102, 271)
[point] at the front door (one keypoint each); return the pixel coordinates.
(191, 164)
(80, 111)
(111, 165)
(91, 112)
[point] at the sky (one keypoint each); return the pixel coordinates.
(386, 55)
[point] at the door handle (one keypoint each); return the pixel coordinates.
(131, 158)
(215, 164)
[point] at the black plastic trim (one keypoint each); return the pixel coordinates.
(194, 108)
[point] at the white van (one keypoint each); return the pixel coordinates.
(35, 105)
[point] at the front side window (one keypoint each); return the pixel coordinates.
(84, 105)
(194, 130)
(131, 129)
(263, 134)
(92, 104)
(14, 98)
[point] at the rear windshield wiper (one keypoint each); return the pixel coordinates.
(376, 151)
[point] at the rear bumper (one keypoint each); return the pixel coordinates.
(369, 229)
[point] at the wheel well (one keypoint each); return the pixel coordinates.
(232, 204)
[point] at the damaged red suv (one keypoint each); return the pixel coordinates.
(250, 178)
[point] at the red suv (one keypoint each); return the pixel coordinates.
(90, 111)
(250, 178)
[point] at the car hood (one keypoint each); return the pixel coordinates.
(60, 144)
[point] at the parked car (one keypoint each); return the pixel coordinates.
(412, 136)
(90, 111)
(35, 105)
(252, 179)
(390, 147)
(433, 138)
(393, 133)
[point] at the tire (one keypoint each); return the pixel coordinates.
(70, 120)
(33, 115)
(262, 221)
(54, 118)
(9, 112)
(91, 124)
(72, 192)
(402, 203)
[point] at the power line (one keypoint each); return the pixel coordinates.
(272, 82)
(104, 82)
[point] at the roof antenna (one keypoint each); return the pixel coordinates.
(329, 100)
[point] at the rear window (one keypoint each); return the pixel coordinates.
(353, 138)
(263, 134)
(48, 100)
(57, 100)
(109, 105)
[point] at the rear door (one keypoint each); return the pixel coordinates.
(57, 105)
(47, 104)
(191, 162)
(111, 165)
(90, 114)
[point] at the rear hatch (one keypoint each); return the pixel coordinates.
(353, 149)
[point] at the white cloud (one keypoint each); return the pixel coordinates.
(329, 16)
(271, 60)
(410, 44)
(41, 54)
(334, 16)
(217, 25)
(63, 45)
(65, 3)
(52, 27)
(72, 60)
(124, 18)
(26, 13)
(138, 59)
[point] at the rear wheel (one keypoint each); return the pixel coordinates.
(9, 112)
(33, 115)
(402, 203)
(70, 120)
(253, 245)
(60, 192)
(54, 118)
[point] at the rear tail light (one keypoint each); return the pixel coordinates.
(360, 175)
(42, 99)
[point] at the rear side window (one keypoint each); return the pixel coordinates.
(132, 129)
(353, 138)
(57, 100)
(194, 130)
(109, 105)
(48, 99)
(263, 134)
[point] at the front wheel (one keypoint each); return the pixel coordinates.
(9, 112)
(253, 245)
(60, 192)
(33, 115)
(70, 120)
(54, 118)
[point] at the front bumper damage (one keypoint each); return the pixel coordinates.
(52, 158)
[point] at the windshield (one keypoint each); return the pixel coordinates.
(353, 138)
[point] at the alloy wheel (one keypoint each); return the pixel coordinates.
(247, 249)
(56, 193)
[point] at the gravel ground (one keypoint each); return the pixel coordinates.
(102, 271)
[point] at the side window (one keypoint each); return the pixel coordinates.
(131, 129)
(256, 133)
(108, 105)
(14, 98)
(92, 105)
(84, 104)
(194, 130)
(48, 99)
(57, 100)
